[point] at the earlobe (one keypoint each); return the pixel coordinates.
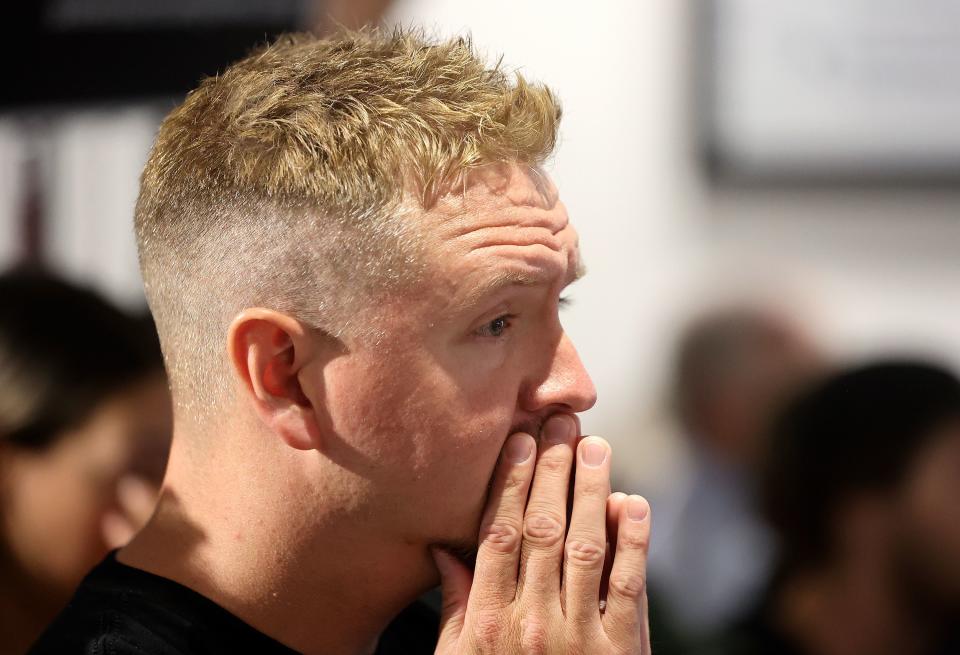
(297, 429)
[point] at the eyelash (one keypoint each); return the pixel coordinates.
(564, 302)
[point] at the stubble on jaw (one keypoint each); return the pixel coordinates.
(466, 551)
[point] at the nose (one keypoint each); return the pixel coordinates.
(566, 386)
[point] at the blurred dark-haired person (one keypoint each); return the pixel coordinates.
(861, 485)
(733, 367)
(85, 421)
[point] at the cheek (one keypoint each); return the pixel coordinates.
(462, 418)
(934, 518)
(423, 437)
(52, 520)
(419, 418)
(939, 514)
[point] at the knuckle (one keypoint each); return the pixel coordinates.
(631, 586)
(553, 464)
(585, 553)
(542, 528)
(591, 486)
(501, 537)
(487, 627)
(513, 483)
(583, 637)
(634, 540)
(533, 636)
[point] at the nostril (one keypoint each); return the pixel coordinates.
(588, 400)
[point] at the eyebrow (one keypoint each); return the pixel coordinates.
(517, 278)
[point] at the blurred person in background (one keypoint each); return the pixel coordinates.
(861, 486)
(710, 554)
(85, 423)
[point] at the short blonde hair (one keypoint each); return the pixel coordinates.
(290, 181)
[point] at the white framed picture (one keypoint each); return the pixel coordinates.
(831, 90)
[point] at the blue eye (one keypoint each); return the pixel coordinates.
(496, 327)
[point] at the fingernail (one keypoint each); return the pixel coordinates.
(636, 508)
(593, 453)
(559, 428)
(519, 449)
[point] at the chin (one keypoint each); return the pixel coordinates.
(459, 540)
(466, 552)
(458, 534)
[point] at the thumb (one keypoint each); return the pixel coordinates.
(455, 582)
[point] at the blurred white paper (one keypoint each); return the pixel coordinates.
(824, 87)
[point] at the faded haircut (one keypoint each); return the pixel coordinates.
(292, 181)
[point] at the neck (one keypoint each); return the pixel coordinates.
(850, 611)
(316, 577)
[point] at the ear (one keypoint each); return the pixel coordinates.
(269, 350)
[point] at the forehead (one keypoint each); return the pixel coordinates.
(506, 226)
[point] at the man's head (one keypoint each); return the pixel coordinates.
(865, 465)
(350, 243)
(291, 178)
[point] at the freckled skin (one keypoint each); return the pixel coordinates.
(432, 405)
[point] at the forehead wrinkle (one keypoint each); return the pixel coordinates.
(500, 281)
(527, 240)
(511, 206)
(554, 227)
(467, 223)
(529, 276)
(507, 240)
(510, 226)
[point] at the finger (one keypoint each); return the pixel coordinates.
(137, 499)
(587, 539)
(455, 583)
(544, 523)
(614, 506)
(498, 554)
(625, 620)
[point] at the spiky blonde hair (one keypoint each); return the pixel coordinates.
(292, 181)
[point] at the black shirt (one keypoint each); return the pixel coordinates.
(122, 610)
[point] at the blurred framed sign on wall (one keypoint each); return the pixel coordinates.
(830, 91)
